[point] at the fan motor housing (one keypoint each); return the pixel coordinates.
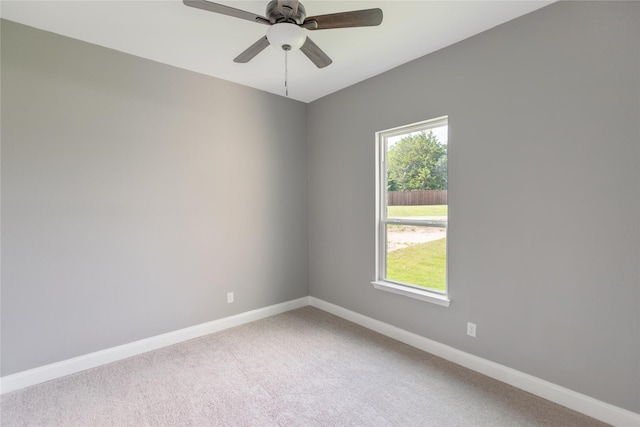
(276, 15)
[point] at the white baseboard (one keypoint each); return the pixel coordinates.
(578, 402)
(52, 371)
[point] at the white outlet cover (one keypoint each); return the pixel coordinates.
(471, 329)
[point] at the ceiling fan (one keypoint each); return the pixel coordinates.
(287, 21)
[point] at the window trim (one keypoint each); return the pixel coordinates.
(381, 221)
(412, 292)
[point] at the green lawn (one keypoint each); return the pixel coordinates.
(423, 210)
(422, 265)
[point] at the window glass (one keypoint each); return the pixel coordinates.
(413, 205)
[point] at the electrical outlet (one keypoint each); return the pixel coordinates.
(471, 329)
(230, 297)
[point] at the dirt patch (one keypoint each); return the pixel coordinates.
(404, 236)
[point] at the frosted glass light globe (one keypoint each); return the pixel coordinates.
(286, 34)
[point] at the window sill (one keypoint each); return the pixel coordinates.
(420, 294)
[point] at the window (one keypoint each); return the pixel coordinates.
(412, 210)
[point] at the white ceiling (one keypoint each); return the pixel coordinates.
(169, 32)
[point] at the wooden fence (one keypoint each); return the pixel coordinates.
(418, 197)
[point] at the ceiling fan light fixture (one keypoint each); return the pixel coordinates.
(286, 36)
(288, 23)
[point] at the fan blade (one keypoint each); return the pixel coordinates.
(290, 6)
(315, 54)
(252, 51)
(226, 10)
(356, 18)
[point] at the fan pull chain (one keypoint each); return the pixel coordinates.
(286, 72)
(286, 48)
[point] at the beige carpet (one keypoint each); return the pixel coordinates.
(301, 368)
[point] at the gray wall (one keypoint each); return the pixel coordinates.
(136, 195)
(544, 243)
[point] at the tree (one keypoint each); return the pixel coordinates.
(418, 162)
(391, 183)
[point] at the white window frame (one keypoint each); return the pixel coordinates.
(382, 221)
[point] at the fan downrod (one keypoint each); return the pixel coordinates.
(286, 14)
